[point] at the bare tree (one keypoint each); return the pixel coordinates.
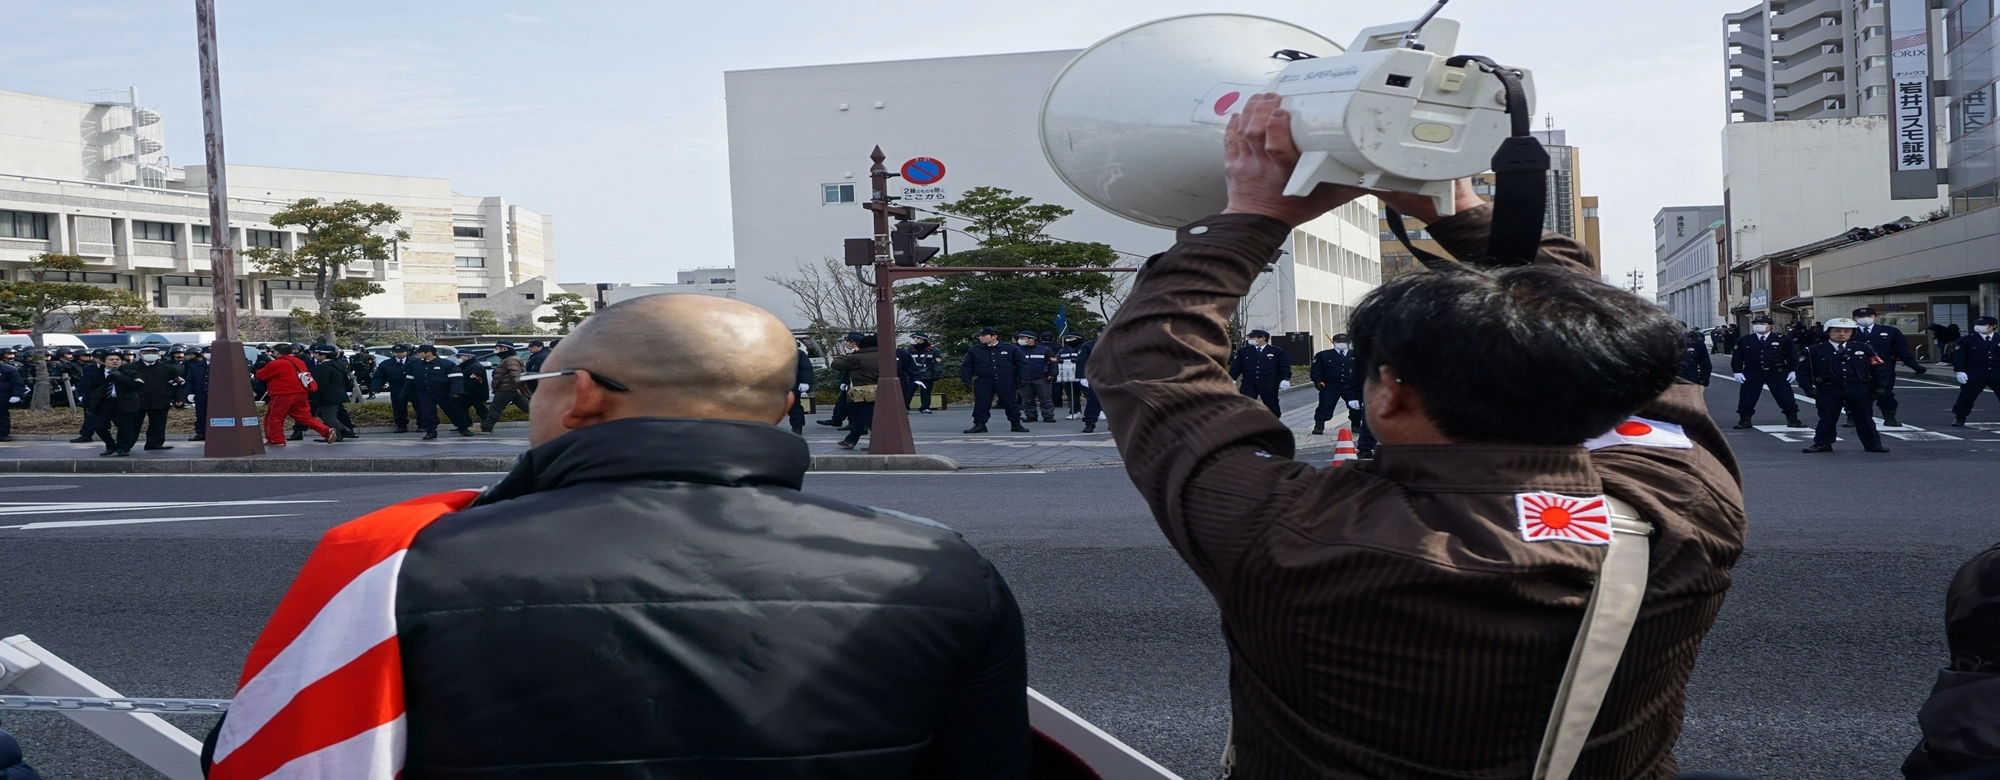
(833, 298)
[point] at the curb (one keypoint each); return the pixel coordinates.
(383, 429)
(448, 464)
(882, 463)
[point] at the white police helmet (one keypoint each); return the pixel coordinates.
(1842, 322)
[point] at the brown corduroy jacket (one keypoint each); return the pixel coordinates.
(1389, 621)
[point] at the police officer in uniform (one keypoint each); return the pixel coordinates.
(1695, 365)
(1977, 361)
(433, 382)
(1765, 359)
(393, 375)
(196, 369)
(1843, 373)
(926, 368)
(804, 382)
(1038, 380)
(89, 375)
(1263, 368)
(991, 368)
(1889, 343)
(1068, 394)
(1332, 371)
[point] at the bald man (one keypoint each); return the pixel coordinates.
(649, 594)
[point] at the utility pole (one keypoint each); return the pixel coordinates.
(232, 414)
(890, 434)
(1635, 280)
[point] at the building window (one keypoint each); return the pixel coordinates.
(467, 232)
(86, 277)
(471, 262)
(1875, 32)
(466, 296)
(1805, 279)
(199, 235)
(291, 284)
(1971, 112)
(264, 238)
(152, 231)
(528, 296)
(24, 224)
(836, 193)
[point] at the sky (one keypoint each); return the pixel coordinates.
(609, 115)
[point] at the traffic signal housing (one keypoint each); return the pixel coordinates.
(903, 242)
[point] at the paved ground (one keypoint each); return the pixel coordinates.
(1828, 642)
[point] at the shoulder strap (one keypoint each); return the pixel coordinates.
(1600, 642)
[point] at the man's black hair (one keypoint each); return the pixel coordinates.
(1532, 355)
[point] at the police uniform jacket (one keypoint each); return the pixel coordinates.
(804, 372)
(534, 360)
(362, 364)
(927, 364)
(197, 379)
(1000, 361)
(436, 376)
(1695, 365)
(1083, 358)
(1889, 342)
(1769, 352)
(1976, 354)
(12, 384)
(1041, 361)
(1390, 621)
(393, 375)
(1332, 370)
(1853, 363)
(1266, 366)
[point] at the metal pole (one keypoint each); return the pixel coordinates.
(890, 433)
(232, 413)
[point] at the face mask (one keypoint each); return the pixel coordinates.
(1341, 348)
(1760, 328)
(1865, 321)
(1983, 329)
(1022, 342)
(150, 358)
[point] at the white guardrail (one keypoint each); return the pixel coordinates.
(53, 685)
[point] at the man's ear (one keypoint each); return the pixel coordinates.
(589, 404)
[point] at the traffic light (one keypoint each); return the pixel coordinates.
(859, 251)
(903, 242)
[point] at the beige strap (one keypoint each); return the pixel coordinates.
(1600, 642)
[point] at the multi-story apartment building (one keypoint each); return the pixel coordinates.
(89, 178)
(1807, 59)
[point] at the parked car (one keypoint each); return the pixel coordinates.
(50, 340)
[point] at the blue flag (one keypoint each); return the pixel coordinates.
(1062, 322)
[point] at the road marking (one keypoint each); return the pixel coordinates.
(1786, 433)
(9, 508)
(129, 521)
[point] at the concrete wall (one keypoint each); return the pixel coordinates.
(1793, 183)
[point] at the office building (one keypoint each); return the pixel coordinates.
(799, 140)
(1687, 247)
(90, 179)
(1807, 59)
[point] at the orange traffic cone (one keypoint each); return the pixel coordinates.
(1343, 447)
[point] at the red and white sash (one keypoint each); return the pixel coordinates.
(321, 695)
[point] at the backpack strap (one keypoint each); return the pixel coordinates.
(1600, 642)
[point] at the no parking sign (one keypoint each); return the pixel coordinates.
(921, 176)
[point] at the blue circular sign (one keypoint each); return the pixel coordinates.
(923, 171)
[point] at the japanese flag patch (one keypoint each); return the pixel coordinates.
(1549, 517)
(1645, 433)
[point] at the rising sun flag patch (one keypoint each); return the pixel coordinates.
(1549, 517)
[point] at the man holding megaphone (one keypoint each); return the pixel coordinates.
(1425, 615)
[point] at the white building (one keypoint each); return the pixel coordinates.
(799, 140)
(1686, 280)
(87, 179)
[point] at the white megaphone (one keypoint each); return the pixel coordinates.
(1135, 123)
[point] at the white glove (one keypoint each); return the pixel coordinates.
(843, 388)
(1084, 382)
(190, 397)
(1791, 376)
(1354, 405)
(1962, 378)
(1284, 384)
(14, 400)
(1739, 377)
(805, 388)
(922, 385)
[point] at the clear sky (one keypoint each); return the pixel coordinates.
(609, 115)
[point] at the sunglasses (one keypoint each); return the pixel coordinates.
(532, 381)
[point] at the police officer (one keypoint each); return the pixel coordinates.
(537, 352)
(1067, 392)
(196, 370)
(361, 363)
(393, 375)
(1038, 379)
(12, 387)
(991, 369)
(926, 368)
(1091, 409)
(1977, 361)
(433, 382)
(1695, 365)
(1332, 371)
(1889, 343)
(1765, 359)
(803, 377)
(1263, 368)
(162, 384)
(89, 374)
(1843, 373)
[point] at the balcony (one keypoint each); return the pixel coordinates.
(1805, 103)
(1752, 110)
(1803, 12)
(1750, 63)
(1807, 40)
(1797, 73)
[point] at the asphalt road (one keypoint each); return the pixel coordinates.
(1829, 640)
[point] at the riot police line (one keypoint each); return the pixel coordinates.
(124, 391)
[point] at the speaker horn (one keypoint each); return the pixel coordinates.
(1135, 123)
